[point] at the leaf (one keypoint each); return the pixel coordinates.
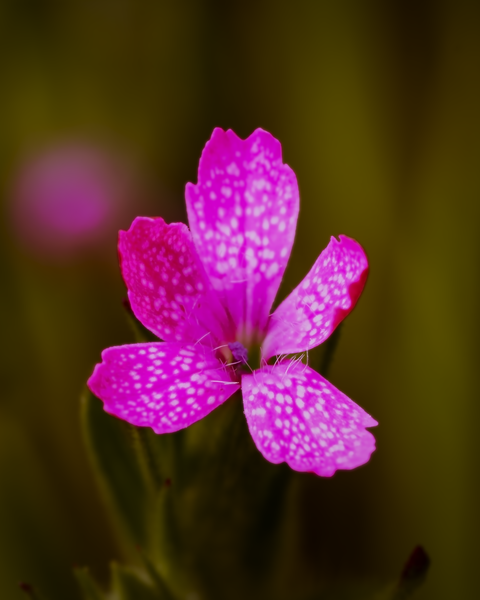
(88, 586)
(129, 583)
(160, 585)
(117, 466)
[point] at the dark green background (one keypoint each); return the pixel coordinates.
(376, 104)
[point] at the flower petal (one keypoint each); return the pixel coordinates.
(243, 213)
(309, 315)
(298, 417)
(165, 386)
(167, 285)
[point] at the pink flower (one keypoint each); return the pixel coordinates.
(208, 294)
(71, 197)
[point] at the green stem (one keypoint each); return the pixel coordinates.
(148, 459)
(330, 347)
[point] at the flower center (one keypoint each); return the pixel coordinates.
(247, 359)
(239, 352)
(238, 359)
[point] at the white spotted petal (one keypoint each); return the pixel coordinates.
(298, 417)
(309, 315)
(165, 386)
(243, 214)
(167, 286)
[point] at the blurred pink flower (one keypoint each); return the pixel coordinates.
(208, 295)
(71, 197)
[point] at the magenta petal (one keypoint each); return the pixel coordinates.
(243, 214)
(167, 285)
(298, 417)
(165, 386)
(308, 316)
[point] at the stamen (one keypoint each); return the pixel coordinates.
(200, 339)
(238, 351)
